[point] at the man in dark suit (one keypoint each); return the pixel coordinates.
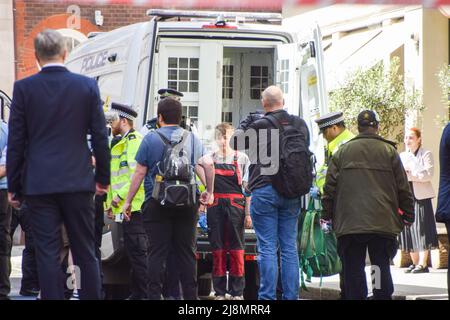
(50, 164)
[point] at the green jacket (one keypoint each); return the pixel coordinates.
(330, 150)
(365, 186)
(123, 166)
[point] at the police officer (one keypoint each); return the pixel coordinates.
(332, 126)
(152, 124)
(123, 166)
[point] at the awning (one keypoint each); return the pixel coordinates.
(361, 50)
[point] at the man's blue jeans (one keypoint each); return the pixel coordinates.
(275, 221)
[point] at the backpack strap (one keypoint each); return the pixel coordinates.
(274, 121)
(163, 138)
(238, 172)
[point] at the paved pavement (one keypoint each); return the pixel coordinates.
(431, 285)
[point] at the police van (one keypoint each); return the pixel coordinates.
(220, 61)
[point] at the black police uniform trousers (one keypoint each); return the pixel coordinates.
(5, 244)
(30, 279)
(226, 236)
(136, 246)
(352, 251)
(77, 212)
(168, 228)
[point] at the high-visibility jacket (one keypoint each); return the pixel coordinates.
(330, 149)
(123, 166)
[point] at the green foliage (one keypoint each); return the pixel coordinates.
(444, 82)
(380, 90)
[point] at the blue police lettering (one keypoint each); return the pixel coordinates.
(93, 62)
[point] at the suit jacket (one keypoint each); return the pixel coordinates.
(52, 113)
(443, 206)
(421, 173)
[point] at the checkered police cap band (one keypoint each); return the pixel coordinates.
(331, 122)
(125, 115)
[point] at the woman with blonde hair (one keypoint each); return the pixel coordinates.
(419, 238)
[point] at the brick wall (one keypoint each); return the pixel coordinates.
(31, 17)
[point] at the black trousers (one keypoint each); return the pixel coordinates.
(352, 251)
(5, 244)
(99, 223)
(77, 212)
(171, 285)
(226, 236)
(447, 225)
(171, 228)
(30, 279)
(136, 246)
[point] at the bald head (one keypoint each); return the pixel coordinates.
(272, 98)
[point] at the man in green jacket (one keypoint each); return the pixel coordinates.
(369, 200)
(332, 127)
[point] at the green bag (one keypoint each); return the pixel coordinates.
(317, 249)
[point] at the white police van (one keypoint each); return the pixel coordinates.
(220, 61)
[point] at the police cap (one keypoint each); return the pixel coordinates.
(329, 119)
(124, 111)
(164, 93)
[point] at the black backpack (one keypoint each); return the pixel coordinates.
(295, 174)
(175, 185)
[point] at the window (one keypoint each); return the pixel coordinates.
(72, 38)
(183, 74)
(284, 75)
(259, 80)
(227, 82)
(190, 113)
(227, 117)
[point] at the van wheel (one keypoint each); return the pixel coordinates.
(251, 280)
(204, 285)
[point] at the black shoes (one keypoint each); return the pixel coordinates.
(410, 268)
(417, 269)
(420, 269)
(29, 292)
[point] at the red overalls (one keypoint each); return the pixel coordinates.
(226, 229)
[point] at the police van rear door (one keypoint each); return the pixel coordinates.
(313, 94)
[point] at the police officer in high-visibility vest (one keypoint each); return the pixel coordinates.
(123, 166)
(332, 126)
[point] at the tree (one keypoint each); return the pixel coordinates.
(380, 90)
(444, 82)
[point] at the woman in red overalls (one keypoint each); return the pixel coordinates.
(227, 216)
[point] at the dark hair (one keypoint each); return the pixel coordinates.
(364, 129)
(170, 110)
(341, 124)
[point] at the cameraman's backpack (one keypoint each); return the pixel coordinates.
(175, 185)
(295, 174)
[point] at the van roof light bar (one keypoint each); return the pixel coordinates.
(165, 14)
